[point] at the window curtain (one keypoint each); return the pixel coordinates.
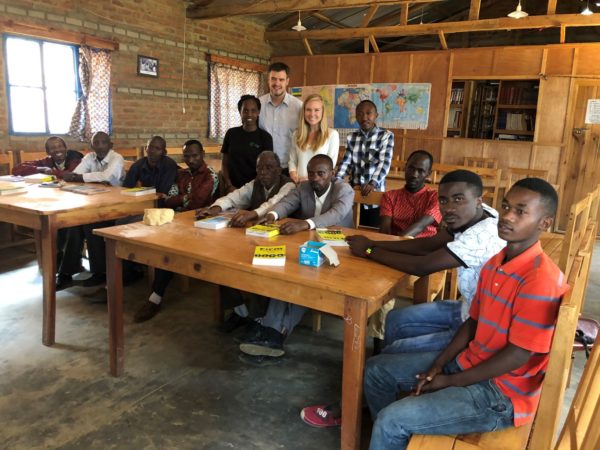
(227, 85)
(93, 106)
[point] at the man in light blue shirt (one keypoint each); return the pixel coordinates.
(280, 112)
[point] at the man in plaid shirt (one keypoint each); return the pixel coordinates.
(368, 158)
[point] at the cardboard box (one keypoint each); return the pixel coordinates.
(310, 255)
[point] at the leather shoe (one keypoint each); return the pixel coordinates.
(63, 281)
(95, 280)
(147, 311)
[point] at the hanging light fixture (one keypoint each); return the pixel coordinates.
(587, 11)
(299, 26)
(518, 13)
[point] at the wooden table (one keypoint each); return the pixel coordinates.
(353, 291)
(46, 210)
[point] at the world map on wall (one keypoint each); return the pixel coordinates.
(400, 105)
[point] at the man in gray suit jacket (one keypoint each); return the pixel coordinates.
(321, 201)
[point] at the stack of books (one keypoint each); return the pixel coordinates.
(85, 189)
(213, 223)
(335, 238)
(135, 191)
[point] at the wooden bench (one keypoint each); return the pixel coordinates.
(477, 161)
(31, 156)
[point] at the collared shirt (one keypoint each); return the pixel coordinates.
(280, 121)
(193, 190)
(242, 197)
(368, 158)
(517, 302)
(473, 247)
(162, 176)
(319, 200)
(108, 170)
(405, 208)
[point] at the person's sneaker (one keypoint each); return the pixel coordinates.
(146, 312)
(259, 361)
(232, 322)
(322, 416)
(95, 280)
(268, 343)
(63, 281)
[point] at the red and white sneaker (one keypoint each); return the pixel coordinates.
(322, 416)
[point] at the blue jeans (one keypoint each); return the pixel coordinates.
(427, 327)
(454, 410)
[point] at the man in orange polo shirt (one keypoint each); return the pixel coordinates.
(490, 375)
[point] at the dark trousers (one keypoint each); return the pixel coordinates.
(95, 245)
(69, 245)
(369, 217)
(162, 278)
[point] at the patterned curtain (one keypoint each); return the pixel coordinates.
(93, 107)
(227, 85)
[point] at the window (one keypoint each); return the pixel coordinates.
(227, 85)
(42, 85)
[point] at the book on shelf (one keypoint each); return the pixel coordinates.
(273, 255)
(335, 238)
(213, 223)
(84, 189)
(141, 190)
(263, 230)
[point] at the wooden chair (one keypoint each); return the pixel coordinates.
(132, 154)
(576, 227)
(374, 198)
(127, 165)
(514, 174)
(397, 169)
(489, 177)
(31, 156)
(476, 161)
(6, 159)
(541, 435)
(581, 430)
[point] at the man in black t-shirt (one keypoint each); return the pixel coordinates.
(242, 145)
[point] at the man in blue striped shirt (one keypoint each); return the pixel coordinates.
(368, 158)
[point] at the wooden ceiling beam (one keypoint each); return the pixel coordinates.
(531, 22)
(404, 14)
(374, 44)
(324, 18)
(307, 47)
(442, 38)
(226, 8)
(474, 9)
(369, 15)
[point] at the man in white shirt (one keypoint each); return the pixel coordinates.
(280, 112)
(102, 165)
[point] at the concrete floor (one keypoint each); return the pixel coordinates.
(183, 388)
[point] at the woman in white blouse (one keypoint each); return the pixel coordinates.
(312, 137)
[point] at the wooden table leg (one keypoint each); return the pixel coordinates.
(47, 237)
(114, 286)
(355, 333)
(421, 290)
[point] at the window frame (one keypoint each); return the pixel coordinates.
(39, 41)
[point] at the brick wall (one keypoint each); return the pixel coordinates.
(142, 106)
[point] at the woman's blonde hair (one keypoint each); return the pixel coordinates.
(304, 128)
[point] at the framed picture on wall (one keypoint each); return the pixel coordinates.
(147, 66)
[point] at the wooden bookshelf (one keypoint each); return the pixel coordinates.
(459, 95)
(516, 110)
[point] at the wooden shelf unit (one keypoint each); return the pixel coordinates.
(459, 101)
(516, 110)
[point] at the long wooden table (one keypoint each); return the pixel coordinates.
(353, 291)
(46, 210)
